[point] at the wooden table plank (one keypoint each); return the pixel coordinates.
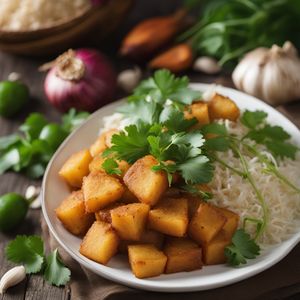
(34, 287)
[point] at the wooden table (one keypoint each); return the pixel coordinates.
(35, 287)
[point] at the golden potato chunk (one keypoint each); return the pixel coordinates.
(232, 222)
(221, 107)
(71, 212)
(170, 216)
(148, 237)
(129, 220)
(213, 252)
(199, 110)
(100, 243)
(146, 260)
(76, 167)
(103, 142)
(104, 214)
(193, 204)
(98, 160)
(146, 184)
(100, 190)
(206, 223)
(98, 146)
(183, 255)
(128, 197)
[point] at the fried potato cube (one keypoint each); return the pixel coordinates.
(146, 260)
(199, 110)
(76, 167)
(128, 197)
(129, 220)
(147, 185)
(100, 190)
(100, 243)
(98, 146)
(170, 216)
(193, 204)
(103, 142)
(98, 160)
(71, 212)
(104, 214)
(183, 255)
(221, 107)
(213, 252)
(206, 223)
(148, 237)
(232, 222)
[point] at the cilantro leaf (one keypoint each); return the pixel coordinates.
(73, 119)
(174, 119)
(241, 248)
(252, 119)
(33, 125)
(9, 159)
(111, 166)
(164, 85)
(217, 137)
(131, 144)
(56, 273)
(8, 141)
(282, 149)
(28, 251)
(197, 170)
(143, 110)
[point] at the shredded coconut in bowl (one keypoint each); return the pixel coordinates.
(35, 14)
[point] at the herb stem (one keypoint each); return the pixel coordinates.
(271, 168)
(222, 162)
(259, 195)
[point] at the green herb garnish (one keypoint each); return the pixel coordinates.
(30, 150)
(29, 250)
(242, 247)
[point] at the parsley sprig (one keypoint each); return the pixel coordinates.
(29, 250)
(175, 151)
(242, 247)
(29, 152)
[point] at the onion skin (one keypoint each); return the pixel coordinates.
(94, 89)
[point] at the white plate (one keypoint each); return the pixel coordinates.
(55, 190)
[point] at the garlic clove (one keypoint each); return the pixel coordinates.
(14, 76)
(206, 65)
(290, 49)
(129, 79)
(12, 278)
(33, 193)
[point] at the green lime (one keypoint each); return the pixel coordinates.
(53, 134)
(13, 210)
(14, 96)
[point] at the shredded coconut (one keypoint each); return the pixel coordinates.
(35, 14)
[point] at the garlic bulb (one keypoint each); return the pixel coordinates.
(270, 74)
(11, 278)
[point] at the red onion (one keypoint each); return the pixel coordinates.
(82, 79)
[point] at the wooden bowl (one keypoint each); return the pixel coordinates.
(63, 35)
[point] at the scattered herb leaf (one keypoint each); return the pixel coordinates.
(241, 248)
(56, 273)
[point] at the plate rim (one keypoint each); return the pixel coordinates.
(155, 285)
